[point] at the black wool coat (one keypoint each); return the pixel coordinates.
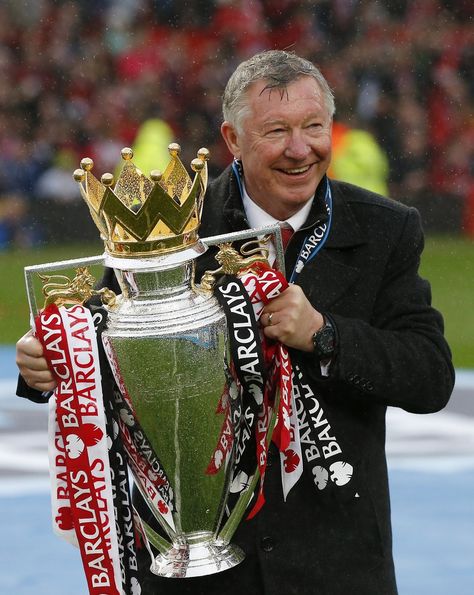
(391, 352)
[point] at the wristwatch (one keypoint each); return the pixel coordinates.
(324, 340)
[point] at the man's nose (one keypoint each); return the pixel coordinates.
(297, 146)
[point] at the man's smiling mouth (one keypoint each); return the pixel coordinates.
(296, 170)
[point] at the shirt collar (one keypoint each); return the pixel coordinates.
(257, 217)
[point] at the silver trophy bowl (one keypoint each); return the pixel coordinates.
(167, 343)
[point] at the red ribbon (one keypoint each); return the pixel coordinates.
(88, 512)
(262, 288)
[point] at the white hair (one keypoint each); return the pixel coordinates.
(279, 68)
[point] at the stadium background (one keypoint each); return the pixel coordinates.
(87, 78)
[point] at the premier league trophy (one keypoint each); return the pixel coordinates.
(167, 343)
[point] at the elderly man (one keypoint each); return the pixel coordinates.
(357, 319)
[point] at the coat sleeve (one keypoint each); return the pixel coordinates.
(399, 358)
(25, 391)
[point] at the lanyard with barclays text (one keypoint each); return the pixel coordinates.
(315, 240)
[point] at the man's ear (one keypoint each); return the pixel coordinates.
(231, 138)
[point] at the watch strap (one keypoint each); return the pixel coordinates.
(325, 340)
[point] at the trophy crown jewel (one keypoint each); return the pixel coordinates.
(140, 216)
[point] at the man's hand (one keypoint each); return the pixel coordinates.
(32, 365)
(291, 319)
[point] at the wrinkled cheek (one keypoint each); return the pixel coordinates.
(323, 148)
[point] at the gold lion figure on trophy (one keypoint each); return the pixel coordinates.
(60, 290)
(232, 262)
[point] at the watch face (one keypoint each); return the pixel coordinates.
(324, 341)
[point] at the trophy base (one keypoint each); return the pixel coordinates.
(197, 559)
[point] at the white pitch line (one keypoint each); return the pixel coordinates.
(425, 464)
(464, 378)
(23, 486)
(8, 388)
(22, 460)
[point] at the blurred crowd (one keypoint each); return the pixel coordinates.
(82, 78)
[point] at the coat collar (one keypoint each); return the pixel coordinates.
(345, 230)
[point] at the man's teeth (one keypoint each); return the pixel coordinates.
(296, 170)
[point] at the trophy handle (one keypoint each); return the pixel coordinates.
(274, 231)
(53, 266)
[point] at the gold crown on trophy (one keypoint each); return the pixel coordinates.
(139, 216)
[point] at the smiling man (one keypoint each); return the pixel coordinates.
(358, 320)
(284, 143)
(361, 330)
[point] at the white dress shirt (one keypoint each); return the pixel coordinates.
(257, 217)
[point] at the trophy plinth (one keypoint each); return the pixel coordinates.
(201, 555)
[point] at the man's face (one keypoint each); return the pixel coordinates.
(284, 145)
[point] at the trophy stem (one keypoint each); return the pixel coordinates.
(155, 538)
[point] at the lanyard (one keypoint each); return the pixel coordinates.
(315, 240)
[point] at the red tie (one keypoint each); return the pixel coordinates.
(286, 233)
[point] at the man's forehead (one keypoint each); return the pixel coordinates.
(266, 101)
(268, 89)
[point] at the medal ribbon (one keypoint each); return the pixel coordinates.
(262, 288)
(249, 366)
(314, 241)
(303, 430)
(83, 507)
